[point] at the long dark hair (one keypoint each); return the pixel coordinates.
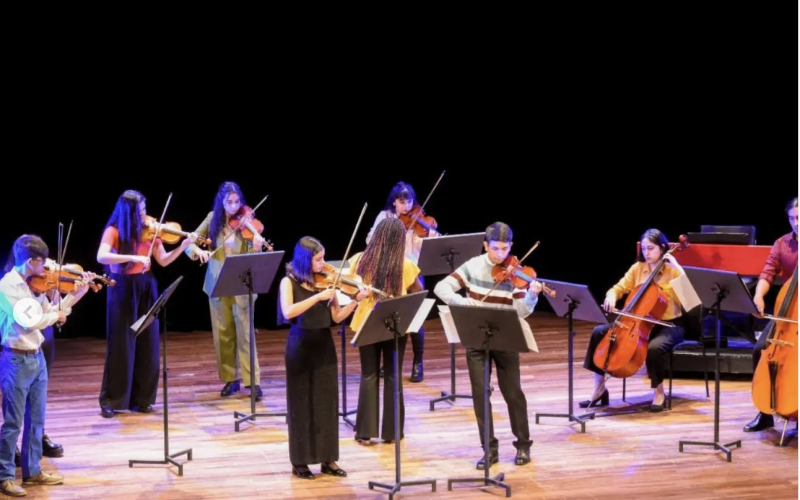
(128, 222)
(300, 268)
(218, 219)
(655, 237)
(381, 264)
(400, 191)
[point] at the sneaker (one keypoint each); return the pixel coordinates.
(44, 478)
(11, 488)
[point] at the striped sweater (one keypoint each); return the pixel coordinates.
(475, 276)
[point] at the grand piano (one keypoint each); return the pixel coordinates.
(729, 248)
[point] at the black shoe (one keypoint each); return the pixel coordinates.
(230, 388)
(107, 412)
(416, 372)
(603, 401)
(302, 472)
(51, 449)
(145, 409)
(18, 458)
(523, 457)
(333, 472)
(259, 394)
(493, 459)
(761, 422)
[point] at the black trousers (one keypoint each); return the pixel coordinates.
(662, 340)
(508, 377)
(367, 414)
(312, 396)
(49, 348)
(761, 344)
(130, 376)
(418, 339)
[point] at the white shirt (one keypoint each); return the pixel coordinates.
(13, 288)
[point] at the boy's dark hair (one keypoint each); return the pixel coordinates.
(29, 246)
(499, 231)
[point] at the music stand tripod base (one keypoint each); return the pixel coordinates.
(572, 301)
(248, 274)
(159, 309)
(452, 395)
(487, 329)
(389, 320)
(715, 288)
(443, 255)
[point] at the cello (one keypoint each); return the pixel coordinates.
(623, 349)
(775, 379)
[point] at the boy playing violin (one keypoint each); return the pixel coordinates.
(402, 201)
(23, 315)
(474, 275)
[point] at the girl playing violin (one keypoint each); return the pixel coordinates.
(384, 266)
(130, 377)
(230, 321)
(402, 203)
(311, 364)
(654, 248)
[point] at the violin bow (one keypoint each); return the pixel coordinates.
(347, 252)
(158, 228)
(239, 228)
(508, 273)
(422, 207)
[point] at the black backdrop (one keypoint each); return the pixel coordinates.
(579, 145)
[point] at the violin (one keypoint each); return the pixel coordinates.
(417, 220)
(64, 280)
(518, 276)
(775, 379)
(623, 349)
(348, 284)
(170, 232)
(245, 222)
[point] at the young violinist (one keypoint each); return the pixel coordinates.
(402, 203)
(654, 248)
(49, 448)
(130, 376)
(311, 365)
(781, 262)
(475, 277)
(230, 320)
(384, 266)
(23, 365)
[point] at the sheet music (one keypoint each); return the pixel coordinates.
(452, 334)
(448, 325)
(686, 292)
(421, 316)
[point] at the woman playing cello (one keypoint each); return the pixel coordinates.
(654, 248)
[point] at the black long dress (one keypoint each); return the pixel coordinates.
(312, 389)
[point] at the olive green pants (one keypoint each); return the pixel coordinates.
(230, 323)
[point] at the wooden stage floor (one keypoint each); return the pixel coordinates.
(627, 456)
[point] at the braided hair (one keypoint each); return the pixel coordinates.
(381, 264)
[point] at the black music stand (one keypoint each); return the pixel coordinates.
(715, 287)
(443, 255)
(159, 309)
(487, 328)
(390, 319)
(248, 273)
(344, 413)
(573, 300)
